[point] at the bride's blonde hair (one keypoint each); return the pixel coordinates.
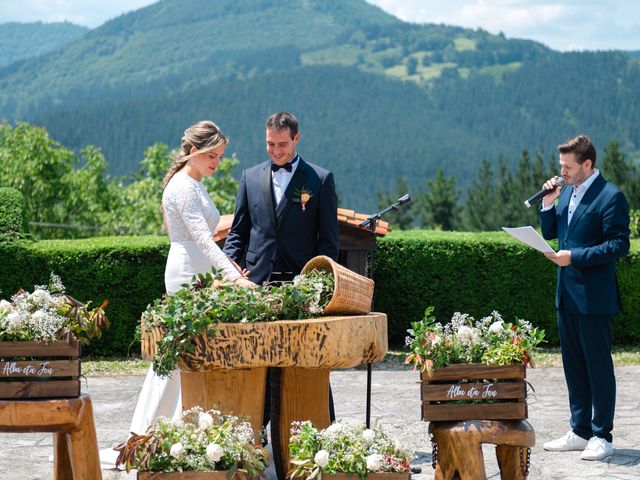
(204, 136)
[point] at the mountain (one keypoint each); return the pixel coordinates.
(378, 98)
(23, 40)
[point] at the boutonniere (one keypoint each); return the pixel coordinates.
(302, 196)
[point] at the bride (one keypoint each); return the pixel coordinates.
(191, 219)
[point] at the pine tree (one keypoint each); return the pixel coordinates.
(439, 206)
(404, 217)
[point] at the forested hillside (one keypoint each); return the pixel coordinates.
(378, 98)
(23, 40)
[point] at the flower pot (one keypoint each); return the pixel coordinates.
(219, 475)
(352, 293)
(474, 392)
(371, 476)
(39, 370)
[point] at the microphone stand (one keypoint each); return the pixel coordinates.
(371, 223)
(372, 220)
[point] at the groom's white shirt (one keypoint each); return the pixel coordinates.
(281, 179)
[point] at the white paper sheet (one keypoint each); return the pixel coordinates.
(529, 236)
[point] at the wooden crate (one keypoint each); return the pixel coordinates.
(219, 475)
(474, 392)
(371, 476)
(39, 370)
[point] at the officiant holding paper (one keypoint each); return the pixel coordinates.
(591, 222)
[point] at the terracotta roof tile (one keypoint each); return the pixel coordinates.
(345, 216)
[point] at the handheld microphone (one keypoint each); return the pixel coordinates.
(536, 197)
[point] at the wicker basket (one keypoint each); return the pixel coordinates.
(352, 293)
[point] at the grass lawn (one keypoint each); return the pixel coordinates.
(548, 357)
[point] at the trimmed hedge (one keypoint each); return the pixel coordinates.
(477, 273)
(468, 272)
(128, 271)
(13, 223)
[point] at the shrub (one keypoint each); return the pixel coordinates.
(477, 273)
(13, 221)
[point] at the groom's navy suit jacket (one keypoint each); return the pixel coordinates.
(597, 236)
(282, 238)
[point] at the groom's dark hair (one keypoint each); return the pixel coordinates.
(282, 120)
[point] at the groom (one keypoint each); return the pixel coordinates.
(286, 210)
(286, 214)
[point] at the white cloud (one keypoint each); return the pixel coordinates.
(560, 24)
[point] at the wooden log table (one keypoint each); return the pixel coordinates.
(75, 444)
(458, 448)
(229, 369)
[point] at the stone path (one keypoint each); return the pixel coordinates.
(395, 403)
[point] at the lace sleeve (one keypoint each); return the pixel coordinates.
(193, 216)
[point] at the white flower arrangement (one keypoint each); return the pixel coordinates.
(48, 314)
(344, 448)
(200, 441)
(489, 340)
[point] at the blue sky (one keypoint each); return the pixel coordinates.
(560, 24)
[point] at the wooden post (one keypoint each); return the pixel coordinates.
(304, 395)
(71, 421)
(239, 392)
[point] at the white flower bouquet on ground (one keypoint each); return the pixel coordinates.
(200, 441)
(344, 448)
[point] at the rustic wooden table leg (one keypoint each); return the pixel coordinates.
(61, 461)
(509, 461)
(304, 395)
(239, 391)
(83, 446)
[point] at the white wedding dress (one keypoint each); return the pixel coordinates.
(191, 220)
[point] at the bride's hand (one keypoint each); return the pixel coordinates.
(245, 273)
(244, 282)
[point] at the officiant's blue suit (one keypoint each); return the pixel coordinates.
(283, 237)
(587, 297)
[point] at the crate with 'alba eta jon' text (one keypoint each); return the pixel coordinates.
(39, 370)
(474, 392)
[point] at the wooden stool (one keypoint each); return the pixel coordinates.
(458, 448)
(75, 444)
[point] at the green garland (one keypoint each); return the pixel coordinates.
(210, 299)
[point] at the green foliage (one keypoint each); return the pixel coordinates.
(469, 272)
(76, 192)
(479, 273)
(439, 205)
(23, 40)
(128, 271)
(13, 222)
(455, 110)
(48, 314)
(344, 448)
(489, 340)
(201, 441)
(210, 300)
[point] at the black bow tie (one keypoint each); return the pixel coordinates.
(287, 166)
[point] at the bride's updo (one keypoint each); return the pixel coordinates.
(205, 136)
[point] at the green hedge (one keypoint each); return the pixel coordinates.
(468, 272)
(13, 223)
(128, 271)
(477, 273)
